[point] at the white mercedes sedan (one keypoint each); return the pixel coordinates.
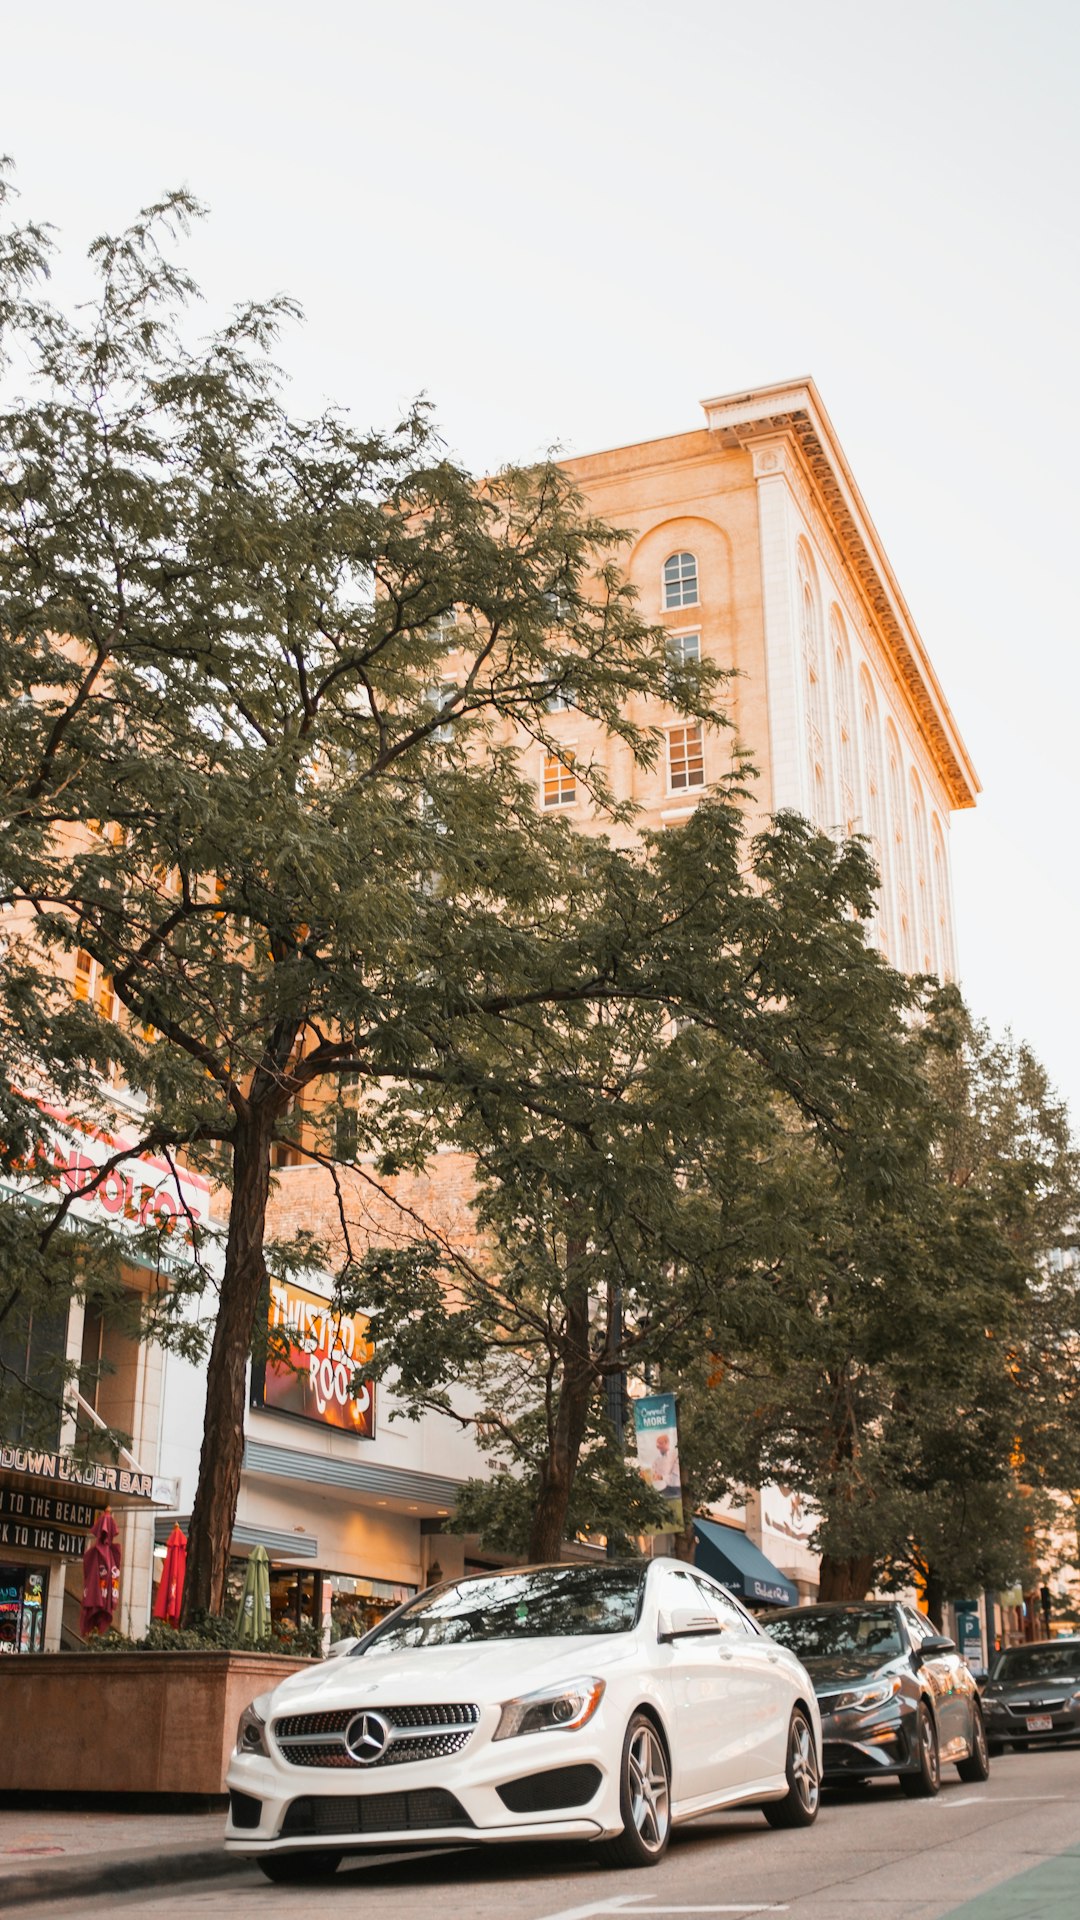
(605, 1702)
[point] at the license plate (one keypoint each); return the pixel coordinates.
(1040, 1722)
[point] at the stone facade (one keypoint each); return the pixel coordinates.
(834, 697)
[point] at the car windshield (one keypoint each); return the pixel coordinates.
(529, 1605)
(865, 1631)
(1038, 1663)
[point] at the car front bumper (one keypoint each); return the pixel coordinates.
(861, 1746)
(277, 1807)
(1006, 1723)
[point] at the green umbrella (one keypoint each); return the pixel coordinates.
(253, 1620)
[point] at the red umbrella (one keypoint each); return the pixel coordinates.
(101, 1577)
(170, 1594)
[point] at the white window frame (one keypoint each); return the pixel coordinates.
(687, 785)
(676, 635)
(563, 754)
(560, 700)
(444, 627)
(677, 606)
(99, 987)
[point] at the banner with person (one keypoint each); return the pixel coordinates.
(656, 1432)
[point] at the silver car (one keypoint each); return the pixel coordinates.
(1033, 1694)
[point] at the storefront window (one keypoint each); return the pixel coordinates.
(292, 1599)
(32, 1356)
(22, 1609)
(357, 1605)
(302, 1597)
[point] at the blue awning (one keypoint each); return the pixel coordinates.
(735, 1561)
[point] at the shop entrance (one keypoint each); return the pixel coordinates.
(23, 1593)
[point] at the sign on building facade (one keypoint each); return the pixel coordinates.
(313, 1355)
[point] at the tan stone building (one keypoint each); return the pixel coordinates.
(752, 546)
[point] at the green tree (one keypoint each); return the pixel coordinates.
(926, 1396)
(648, 1194)
(265, 685)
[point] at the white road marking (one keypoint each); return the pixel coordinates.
(644, 1905)
(995, 1799)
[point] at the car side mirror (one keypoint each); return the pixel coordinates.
(980, 1676)
(339, 1647)
(935, 1645)
(684, 1621)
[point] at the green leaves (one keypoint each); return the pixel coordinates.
(276, 695)
(923, 1393)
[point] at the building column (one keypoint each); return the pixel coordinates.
(789, 761)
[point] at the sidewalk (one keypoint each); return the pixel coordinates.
(63, 1853)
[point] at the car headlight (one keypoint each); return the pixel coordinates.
(561, 1709)
(861, 1699)
(251, 1730)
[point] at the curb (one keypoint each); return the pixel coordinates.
(115, 1873)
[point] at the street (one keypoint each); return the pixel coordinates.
(1011, 1847)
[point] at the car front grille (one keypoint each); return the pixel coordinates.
(1034, 1706)
(328, 1814)
(417, 1733)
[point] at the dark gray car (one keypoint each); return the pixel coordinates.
(1032, 1696)
(895, 1696)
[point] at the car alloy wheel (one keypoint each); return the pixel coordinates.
(799, 1806)
(977, 1765)
(923, 1784)
(645, 1799)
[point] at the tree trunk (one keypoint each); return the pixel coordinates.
(845, 1579)
(934, 1596)
(214, 1513)
(685, 1542)
(571, 1419)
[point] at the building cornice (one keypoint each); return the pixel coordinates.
(793, 412)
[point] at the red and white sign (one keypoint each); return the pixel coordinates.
(142, 1191)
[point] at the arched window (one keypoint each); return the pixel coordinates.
(815, 697)
(942, 901)
(898, 847)
(874, 804)
(680, 580)
(845, 724)
(920, 848)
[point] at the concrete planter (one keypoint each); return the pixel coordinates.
(127, 1722)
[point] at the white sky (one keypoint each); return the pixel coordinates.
(570, 223)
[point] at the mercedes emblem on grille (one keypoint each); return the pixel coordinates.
(367, 1737)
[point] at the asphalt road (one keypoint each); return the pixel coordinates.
(1010, 1848)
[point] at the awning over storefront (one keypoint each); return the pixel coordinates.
(397, 1484)
(39, 1473)
(735, 1561)
(281, 1543)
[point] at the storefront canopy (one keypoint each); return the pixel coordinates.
(735, 1561)
(61, 1479)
